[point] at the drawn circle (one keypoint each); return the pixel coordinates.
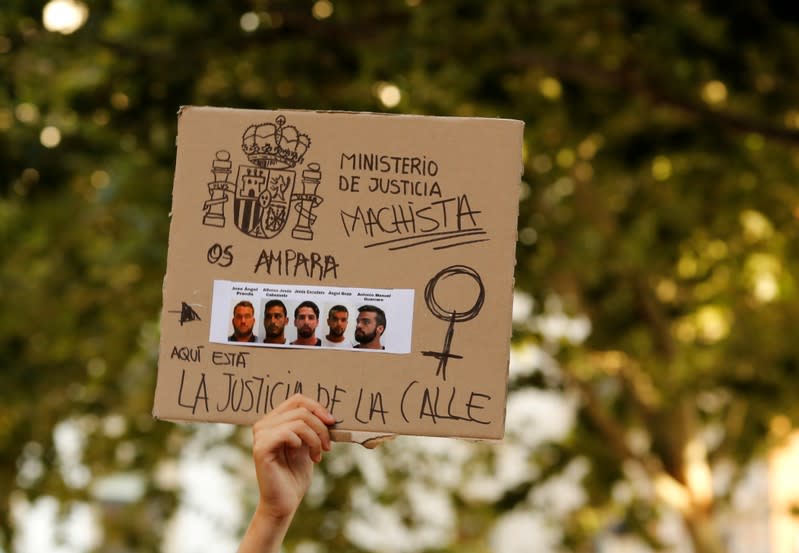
(264, 199)
(451, 315)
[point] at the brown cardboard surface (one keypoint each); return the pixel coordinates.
(414, 214)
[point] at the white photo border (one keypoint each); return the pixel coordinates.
(397, 304)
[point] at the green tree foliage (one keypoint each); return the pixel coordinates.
(658, 201)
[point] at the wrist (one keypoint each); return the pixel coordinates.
(277, 517)
(266, 531)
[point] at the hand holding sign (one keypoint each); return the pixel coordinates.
(286, 444)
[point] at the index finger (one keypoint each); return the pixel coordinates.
(299, 400)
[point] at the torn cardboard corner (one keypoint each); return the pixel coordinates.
(364, 260)
(369, 440)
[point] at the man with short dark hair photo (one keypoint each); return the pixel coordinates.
(243, 323)
(337, 319)
(275, 321)
(306, 319)
(370, 326)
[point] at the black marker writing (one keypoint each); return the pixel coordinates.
(451, 315)
(413, 223)
(230, 359)
(187, 314)
(293, 263)
(189, 354)
(258, 395)
(430, 403)
(383, 163)
(375, 407)
(200, 394)
(404, 187)
(217, 255)
(328, 401)
(241, 389)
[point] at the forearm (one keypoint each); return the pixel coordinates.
(286, 444)
(265, 533)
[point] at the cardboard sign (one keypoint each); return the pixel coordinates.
(363, 260)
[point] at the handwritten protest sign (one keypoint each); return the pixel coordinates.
(363, 260)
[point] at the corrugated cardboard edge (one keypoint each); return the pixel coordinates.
(186, 107)
(369, 440)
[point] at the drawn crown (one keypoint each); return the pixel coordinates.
(276, 146)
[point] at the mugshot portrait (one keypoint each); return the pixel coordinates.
(275, 320)
(312, 317)
(243, 322)
(306, 321)
(370, 327)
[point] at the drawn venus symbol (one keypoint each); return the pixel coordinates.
(451, 315)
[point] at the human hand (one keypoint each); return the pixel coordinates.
(286, 444)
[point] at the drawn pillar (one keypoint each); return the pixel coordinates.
(306, 201)
(214, 207)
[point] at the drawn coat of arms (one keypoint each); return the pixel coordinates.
(264, 192)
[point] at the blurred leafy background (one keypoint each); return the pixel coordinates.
(654, 362)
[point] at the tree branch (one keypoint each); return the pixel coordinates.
(646, 87)
(611, 431)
